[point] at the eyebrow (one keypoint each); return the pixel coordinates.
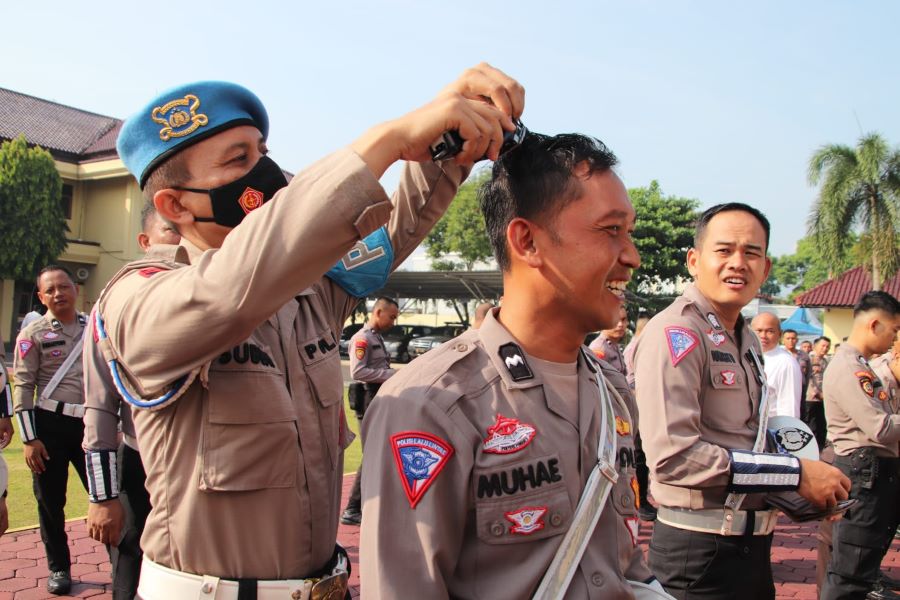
(751, 246)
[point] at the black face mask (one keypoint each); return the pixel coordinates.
(233, 201)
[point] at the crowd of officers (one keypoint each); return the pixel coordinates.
(216, 357)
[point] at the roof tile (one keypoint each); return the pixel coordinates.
(63, 130)
(846, 289)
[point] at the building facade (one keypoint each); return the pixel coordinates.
(101, 200)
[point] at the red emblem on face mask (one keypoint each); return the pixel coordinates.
(250, 200)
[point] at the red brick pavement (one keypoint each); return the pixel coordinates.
(23, 567)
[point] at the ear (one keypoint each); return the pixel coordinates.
(768, 268)
(168, 204)
(520, 243)
(693, 256)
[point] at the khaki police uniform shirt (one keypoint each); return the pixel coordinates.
(41, 349)
(472, 476)
(698, 393)
(370, 362)
(244, 469)
(817, 367)
(858, 406)
(608, 350)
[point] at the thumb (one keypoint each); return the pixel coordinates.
(44, 453)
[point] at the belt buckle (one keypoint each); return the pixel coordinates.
(333, 587)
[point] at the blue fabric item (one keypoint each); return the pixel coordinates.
(182, 116)
(803, 322)
(366, 267)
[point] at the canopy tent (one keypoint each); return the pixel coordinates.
(803, 322)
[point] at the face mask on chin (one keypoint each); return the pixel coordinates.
(233, 201)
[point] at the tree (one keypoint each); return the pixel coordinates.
(805, 268)
(461, 230)
(32, 223)
(860, 188)
(664, 232)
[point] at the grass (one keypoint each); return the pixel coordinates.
(23, 507)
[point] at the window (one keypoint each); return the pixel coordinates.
(68, 193)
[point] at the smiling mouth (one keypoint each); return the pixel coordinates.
(735, 281)
(617, 287)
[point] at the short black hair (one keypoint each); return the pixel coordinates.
(820, 338)
(877, 300)
(48, 269)
(784, 331)
(173, 172)
(148, 211)
(534, 181)
(712, 211)
(382, 300)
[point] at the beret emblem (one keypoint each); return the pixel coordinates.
(179, 117)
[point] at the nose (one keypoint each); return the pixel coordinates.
(629, 256)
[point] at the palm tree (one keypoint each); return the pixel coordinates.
(860, 187)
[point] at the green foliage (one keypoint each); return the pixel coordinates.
(32, 223)
(806, 268)
(664, 232)
(860, 190)
(461, 230)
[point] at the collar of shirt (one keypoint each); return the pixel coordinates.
(494, 335)
(692, 293)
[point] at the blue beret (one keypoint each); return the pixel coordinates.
(182, 116)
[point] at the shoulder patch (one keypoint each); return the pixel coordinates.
(514, 359)
(527, 520)
(681, 341)
(24, 347)
(507, 436)
(360, 349)
(420, 457)
(865, 382)
(623, 427)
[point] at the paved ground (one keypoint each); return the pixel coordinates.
(23, 568)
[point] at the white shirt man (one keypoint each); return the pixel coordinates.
(785, 380)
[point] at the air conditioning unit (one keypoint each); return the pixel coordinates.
(81, 274)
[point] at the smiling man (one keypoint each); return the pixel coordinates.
(699, 380)
(478, 452)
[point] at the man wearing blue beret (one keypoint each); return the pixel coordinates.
(227, 345)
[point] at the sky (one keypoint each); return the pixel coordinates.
(717, 101)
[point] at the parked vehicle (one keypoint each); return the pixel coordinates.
(421, 345)
(398, 338)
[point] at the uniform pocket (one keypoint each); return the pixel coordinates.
(524, 518)
(250, 437)
(727, 406)
(326, 384)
